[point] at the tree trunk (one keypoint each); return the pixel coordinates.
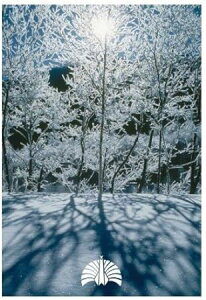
(198, 177)
(167, 166)
(39, 180)
(30, 167)
(4, 152)
(80, 166)
(5, 162)
(159, 161)
(193, 166)
(30, 170)
(142, 182)
(101, 179)
(168, 179)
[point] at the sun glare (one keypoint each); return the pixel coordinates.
(103, 27)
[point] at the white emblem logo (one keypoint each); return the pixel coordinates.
(101, 271)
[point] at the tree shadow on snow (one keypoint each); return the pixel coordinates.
(154, 241)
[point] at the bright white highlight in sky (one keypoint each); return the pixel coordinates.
(102, 27)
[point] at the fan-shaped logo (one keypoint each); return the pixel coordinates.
(101, 271)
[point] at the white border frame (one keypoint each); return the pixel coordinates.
(203, 214)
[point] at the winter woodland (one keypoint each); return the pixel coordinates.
(129, 117)
(131, 109)
(101, 148)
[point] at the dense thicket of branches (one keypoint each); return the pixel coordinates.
(130, 109)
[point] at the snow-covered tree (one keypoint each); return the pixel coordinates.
(170, 36)
(35, 113)
(21, 40)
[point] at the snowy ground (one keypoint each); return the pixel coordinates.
(47, 241)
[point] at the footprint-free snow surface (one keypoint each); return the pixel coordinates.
(48, 239)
